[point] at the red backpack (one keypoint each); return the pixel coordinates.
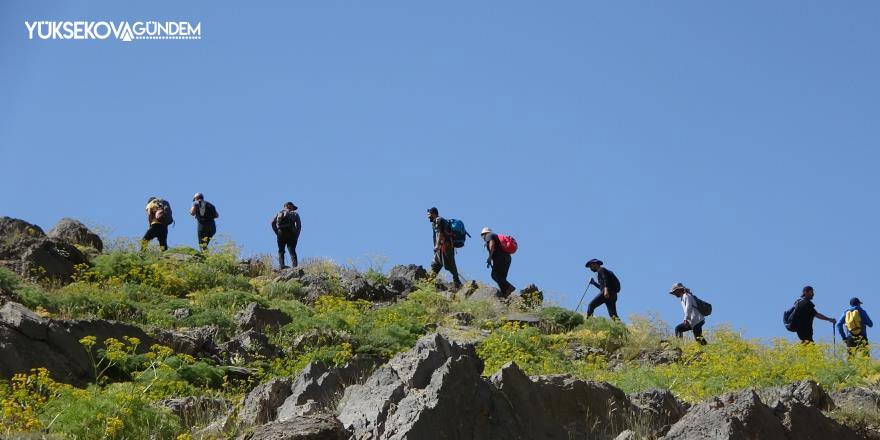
(508, 244)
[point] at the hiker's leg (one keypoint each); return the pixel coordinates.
(449, 262)
(596, 302)
(680, 329)
(281, 243)
(611, 304)
(698, 333)
(204, 237)
(163, 237)
(805, 335)
(149, 235)
(437, 263)
(291, 247)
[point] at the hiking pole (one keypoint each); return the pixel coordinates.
(585, 293)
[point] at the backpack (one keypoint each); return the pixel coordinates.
(703, 307)
(163, 212)
(284, 220)
(458, 232)
(788, 318)
(210, 211)
(508, 244)
(612, 282)
(853, 320)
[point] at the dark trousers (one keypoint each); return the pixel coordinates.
(857, 343)
(698, 331)
(446, 260)
(206, 231)
(160, 232)
(805, 334)
(288, 238)
(610, 304)
(500, 266)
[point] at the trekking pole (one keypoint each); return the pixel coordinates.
(582, 298)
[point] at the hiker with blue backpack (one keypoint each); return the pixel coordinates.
(609, 287)
(500, 248)
(159, 216)
(853, 324)
(448, 235)
(695, 312)
(799, 318)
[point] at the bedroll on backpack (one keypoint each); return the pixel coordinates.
(508, 244)
(459, 233)
(163, 212)
(703, 307)
(853, 321)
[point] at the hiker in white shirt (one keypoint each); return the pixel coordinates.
(693, 319)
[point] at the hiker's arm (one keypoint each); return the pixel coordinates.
(491, 248)
(192, 210)
(297, 224)
(866, 319)
(821, 316)
(274, 227)
(840, 323)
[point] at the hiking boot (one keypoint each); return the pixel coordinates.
(456, 285)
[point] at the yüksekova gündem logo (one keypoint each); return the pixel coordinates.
(123, 30)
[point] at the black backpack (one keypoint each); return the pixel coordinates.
(703, 307)
(612, 282)
(788, 318)
(163, 212)
(284, 219)
(210, 212)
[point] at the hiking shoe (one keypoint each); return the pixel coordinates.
(457, 285)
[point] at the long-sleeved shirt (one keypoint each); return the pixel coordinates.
(691, 313)
(841, 323)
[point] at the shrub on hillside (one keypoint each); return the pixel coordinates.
(534, 352)
(557, 320)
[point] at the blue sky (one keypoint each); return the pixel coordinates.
(731, 146)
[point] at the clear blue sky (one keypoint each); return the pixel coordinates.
(732, 146)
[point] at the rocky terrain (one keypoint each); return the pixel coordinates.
(184, 346)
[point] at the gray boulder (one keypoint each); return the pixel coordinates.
(809, 423)
(320, 336)
(249, 346)
(76, 233)
(28, 341)
(259, 318)
(195, 410)
(626, 435)
(196, 341)
(25, 249)
(659, 356)
(260, 406)
(412, 273)
(857, 398)
(563, 407)
(319, 388)
(660, 408)
(486, 293)
(318, 284)
(734, 416)
(309, 427)
(806, 392)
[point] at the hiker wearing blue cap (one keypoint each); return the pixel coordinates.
(853, 324)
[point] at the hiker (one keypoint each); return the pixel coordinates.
(852, 326)
(444, 251)
(609, 287)
(693, 318)
(499, 260)
(159, 217)
(205, 213)
(803, 314)
(287, 227)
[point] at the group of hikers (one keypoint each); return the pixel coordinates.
(450, 234)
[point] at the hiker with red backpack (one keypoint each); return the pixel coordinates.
(205, 214)
(448, 235)
(609, 287)
(287, 226)
(159, 216)
(853, 324)
(500, 247)
(695, 312)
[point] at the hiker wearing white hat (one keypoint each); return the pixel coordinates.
(500, 247)
(693, 318)
(205, 214)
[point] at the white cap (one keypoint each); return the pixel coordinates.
(486, 230)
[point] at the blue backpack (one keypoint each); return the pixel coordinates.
(459, 233)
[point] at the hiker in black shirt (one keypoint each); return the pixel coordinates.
(287, 227)
(804, 312)
(205, 213)
(609, 287)
(498, 260)
(444, 251)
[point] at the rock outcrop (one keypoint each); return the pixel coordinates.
(25, 249)
(74, 232)
(29, 341)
